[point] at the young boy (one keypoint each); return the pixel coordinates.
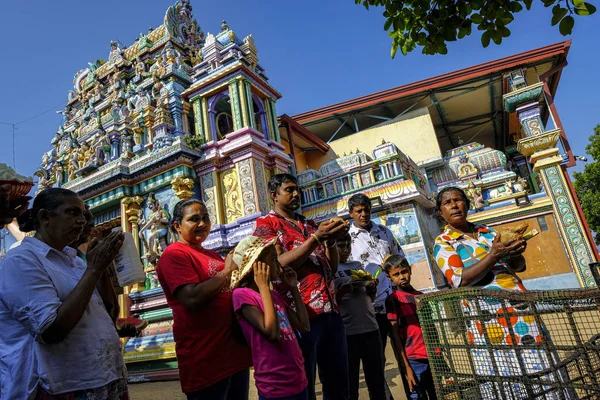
(407, 336)
(354, 297)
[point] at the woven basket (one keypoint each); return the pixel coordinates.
(17, 189)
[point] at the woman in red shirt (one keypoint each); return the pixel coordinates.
(195, 280)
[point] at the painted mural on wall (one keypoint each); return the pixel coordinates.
(403, 224)
(415, 230)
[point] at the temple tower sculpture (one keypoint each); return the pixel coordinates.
(236, 124)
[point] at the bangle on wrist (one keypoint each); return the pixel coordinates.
(332, 244)
(316, 238)
(225, 275)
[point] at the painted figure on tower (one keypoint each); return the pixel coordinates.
(158, 224)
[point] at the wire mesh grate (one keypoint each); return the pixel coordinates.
(491, 344)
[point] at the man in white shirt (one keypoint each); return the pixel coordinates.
(371, 243)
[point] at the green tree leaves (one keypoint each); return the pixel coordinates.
(558, 13)
(566, 25)
(587, 184)
(431, 24)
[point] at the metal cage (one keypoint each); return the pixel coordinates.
(491, 344)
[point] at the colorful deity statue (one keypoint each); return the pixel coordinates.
(57, 170)
(126, 146)
(521, 185)
(97, 88)
(158, 223)
(478, 202)
(73, 163)
(115, 83)
(46, 161)
(81, 152)
(171, 56)
(140, 68)
(45, 182)
(101, 148)
(475, 195)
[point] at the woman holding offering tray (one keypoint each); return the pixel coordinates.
(476, 256)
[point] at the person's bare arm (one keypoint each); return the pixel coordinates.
(13, 228)
(333, 256)
(194, 296)
(296, 257)
(499, 251)
(71, 310)
(266, 323)
(299, 318)
(401, 358)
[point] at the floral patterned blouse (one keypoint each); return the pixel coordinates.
(487, 322)
(455, 251)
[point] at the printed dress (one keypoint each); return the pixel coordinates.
(454, 252)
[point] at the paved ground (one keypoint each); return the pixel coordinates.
(172, 390)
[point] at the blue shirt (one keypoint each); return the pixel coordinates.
(34, 281)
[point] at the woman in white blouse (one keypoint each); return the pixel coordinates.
(57, 340)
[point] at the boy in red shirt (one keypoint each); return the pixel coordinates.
(407, 336)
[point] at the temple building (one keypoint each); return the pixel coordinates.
(180, 114)
(491, 129)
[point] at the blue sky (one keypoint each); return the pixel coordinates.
(315, 52)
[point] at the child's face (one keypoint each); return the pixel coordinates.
(269, 257)
(344, 250)
(400, 275)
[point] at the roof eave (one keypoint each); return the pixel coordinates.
(480, 70)
(301, 131)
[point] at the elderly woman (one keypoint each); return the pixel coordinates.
(57, 340)
(473, 255)
(212, 364)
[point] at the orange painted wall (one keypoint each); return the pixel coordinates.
(545, 254)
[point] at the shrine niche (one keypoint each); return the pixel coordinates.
(260, 115)
(222, 116)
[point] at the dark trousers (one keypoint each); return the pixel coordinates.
(425, 389)
(385, 329)
(325, 346)
(234, 387)
(366, 347)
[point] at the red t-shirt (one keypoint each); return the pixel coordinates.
(315, 278)
(206, 350)
(402, 307)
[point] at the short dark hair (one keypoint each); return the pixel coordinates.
(279, 179)
(394, 261)
(358, 199)
(48, 199)
(179, 211)
(345, 238)
(438, 198)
